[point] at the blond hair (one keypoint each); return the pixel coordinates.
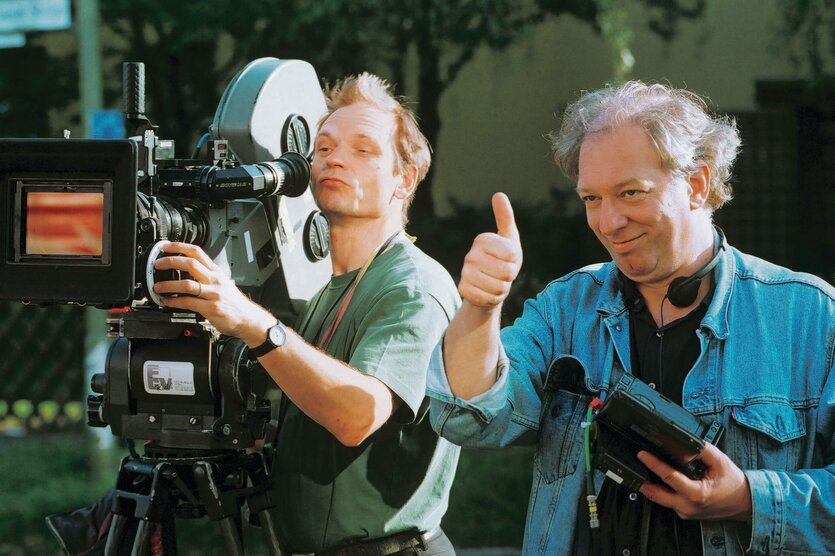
(677, 122)
(410, 146)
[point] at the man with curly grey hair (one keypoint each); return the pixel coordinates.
(731, 338)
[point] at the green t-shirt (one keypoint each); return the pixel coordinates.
(328, 494)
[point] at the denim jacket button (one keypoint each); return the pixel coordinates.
(716, 540)
(618, 327)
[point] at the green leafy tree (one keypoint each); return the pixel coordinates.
(808, 26)
(192, 49)
(25, 102)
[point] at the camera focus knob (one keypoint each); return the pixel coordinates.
(98, 382)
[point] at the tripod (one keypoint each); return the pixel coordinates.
(156, 490)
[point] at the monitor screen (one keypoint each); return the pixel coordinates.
(64, 223)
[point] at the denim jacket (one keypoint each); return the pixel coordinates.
(765, 372)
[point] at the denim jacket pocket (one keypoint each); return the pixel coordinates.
(560, 440)
(769, 436)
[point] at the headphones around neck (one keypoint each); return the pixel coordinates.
(683, 290)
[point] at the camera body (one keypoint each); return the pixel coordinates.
(83, 194)
(635, 417)
(81, 216)
(82, 222)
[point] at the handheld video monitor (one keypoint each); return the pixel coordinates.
(635, 417)
(68, 210)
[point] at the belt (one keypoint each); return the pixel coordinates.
(379, 547)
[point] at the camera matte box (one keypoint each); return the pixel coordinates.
(109, 166)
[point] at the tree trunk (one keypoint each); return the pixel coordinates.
(430, 90)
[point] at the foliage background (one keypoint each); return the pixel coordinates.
(192, 49)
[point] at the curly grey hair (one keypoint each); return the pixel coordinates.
(677, 122)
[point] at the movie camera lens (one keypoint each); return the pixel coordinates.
(288, 176)
(172, 220)
(291, 174)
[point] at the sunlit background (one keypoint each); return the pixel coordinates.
(487, 79)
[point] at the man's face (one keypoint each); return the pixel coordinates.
(354, 170)
(639, 212)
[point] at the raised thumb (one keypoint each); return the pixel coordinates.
(505, 223)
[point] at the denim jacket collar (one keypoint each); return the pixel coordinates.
(611, 301)
(716, 319)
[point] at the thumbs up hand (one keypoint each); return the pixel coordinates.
(493, 261)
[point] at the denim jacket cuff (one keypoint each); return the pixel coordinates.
(486, 405)
(767, 512)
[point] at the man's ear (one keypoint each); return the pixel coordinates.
(408, 182)
(699, 186)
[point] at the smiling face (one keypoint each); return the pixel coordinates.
(649, 220)
(354, 166)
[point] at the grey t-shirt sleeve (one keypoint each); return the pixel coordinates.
(396, 339)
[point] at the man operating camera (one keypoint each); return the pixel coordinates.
(357, 466)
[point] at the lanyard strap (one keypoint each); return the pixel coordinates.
(343, 307)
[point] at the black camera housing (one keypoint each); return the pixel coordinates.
(635, 417)
(83, 222)
(106, 169)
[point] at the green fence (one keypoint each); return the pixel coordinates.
(41, 368)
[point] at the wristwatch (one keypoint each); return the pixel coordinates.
(276, 336)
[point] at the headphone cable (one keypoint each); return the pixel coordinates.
(660, 333)
(591, 496)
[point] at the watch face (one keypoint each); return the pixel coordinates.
(277, 335)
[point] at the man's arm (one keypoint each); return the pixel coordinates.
(350, 404)
(471, 343)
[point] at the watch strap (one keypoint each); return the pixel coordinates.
(268, 344)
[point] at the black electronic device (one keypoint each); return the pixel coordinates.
(635, 417)
(83, 221)
(81, 217)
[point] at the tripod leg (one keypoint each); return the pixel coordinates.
(266, 521)
(229, 528)
(114, 536)
(259, 499)
(210, 497)
(168, 534)
(143, 533)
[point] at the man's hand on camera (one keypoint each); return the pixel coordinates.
(211, 293)
(723, 492)
(493, 261)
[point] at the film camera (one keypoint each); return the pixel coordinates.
(82, 222)
(635, 417)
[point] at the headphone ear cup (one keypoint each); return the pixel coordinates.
(684, 290)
